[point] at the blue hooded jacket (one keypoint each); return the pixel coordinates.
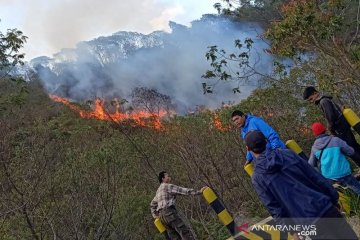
(333, 162)
(290, 188)
(255, 123)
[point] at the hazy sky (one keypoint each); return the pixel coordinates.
(55, 24)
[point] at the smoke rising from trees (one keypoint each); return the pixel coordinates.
(172, 63)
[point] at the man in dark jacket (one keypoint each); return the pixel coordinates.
(336, 121)
(294, 192)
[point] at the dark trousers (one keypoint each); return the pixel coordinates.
(175, 226)
(333, 225)
(351, 182)
(346, 134)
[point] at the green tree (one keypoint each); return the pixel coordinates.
(10, 44)
(322, 38)
(260, 11)
(239, 67)
(319, 38)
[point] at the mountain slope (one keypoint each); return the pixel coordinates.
(172, 63)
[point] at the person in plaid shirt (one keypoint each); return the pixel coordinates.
(163, 207)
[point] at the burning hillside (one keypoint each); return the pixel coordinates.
(99, 111)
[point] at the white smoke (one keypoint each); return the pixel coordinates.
(173, 65)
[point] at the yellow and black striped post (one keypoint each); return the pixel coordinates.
(249, 169)
(292, 145)
(161, 228)
(218, 206)
(344, 203)
(344, 200)
(352, 119)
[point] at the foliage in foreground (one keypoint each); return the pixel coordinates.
(80, 178)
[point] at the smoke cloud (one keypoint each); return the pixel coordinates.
(172, 63)
(56, 24)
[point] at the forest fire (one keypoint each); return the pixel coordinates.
(218, 124)
(141, 118)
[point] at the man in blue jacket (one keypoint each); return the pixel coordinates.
(294, 192)
(247, 123)
(330, 152)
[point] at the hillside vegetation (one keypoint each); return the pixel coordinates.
(66, 177)
(76, 178)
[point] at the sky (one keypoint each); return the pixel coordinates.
(51, 25)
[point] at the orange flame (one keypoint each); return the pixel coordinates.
(304, 130)
(99, 112)
(218, 124)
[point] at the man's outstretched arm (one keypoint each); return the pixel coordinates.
(184, 191)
